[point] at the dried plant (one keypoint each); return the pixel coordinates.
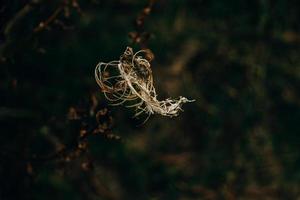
(130, 79)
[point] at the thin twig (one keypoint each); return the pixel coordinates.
(14, 22)
(43, 25)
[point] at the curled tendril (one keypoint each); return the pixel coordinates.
(130, 80)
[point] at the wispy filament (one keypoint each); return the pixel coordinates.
(130, 80)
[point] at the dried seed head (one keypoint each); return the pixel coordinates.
(130, 79)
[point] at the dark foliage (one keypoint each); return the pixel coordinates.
(59, 139)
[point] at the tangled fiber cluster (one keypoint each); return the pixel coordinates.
(130, 79)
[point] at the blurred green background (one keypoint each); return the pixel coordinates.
(239, 59)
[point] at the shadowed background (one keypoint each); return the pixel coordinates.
(59, 138)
